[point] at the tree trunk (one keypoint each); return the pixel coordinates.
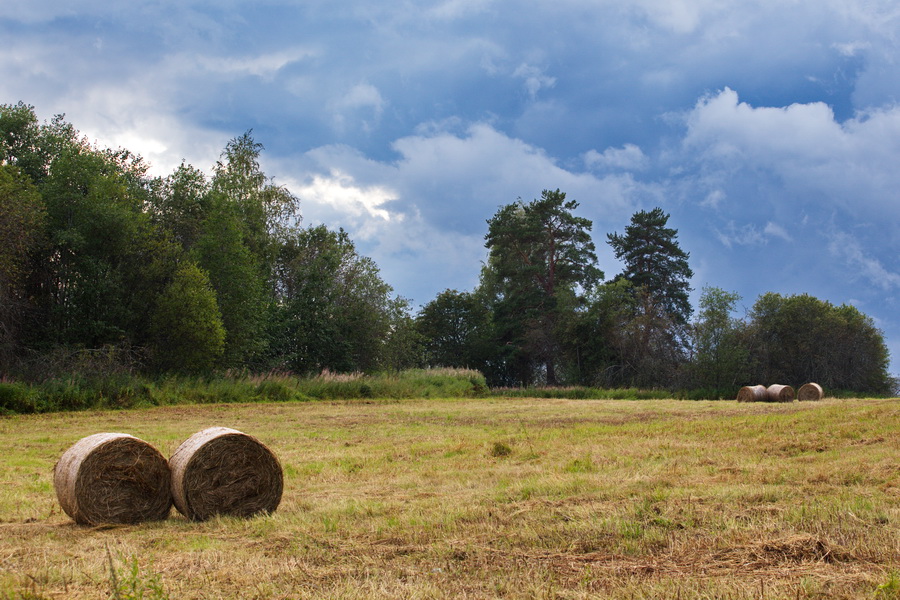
(551, 372)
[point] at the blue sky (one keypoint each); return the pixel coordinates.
(769, 130)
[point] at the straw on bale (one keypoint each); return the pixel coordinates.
(222, 471)
(752, 393)
(113, 478)
(780, 393)
(810, 391)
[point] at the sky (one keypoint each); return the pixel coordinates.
(768, 129)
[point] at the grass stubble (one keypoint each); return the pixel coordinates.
(413, 499)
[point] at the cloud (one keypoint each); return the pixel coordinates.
(534, 77)
(775, 230)
(851, 48)
(804, 148)
(849, 250)
(713, 199)
(417, 257)
(340, 192)
(362, 100)
(262, 65)
(628, 158)
(456, 9)
(679, 16)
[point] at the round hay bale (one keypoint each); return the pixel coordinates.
(221, 471)
(752, 393)
(113, 478)
(780, 393)
(810, 391)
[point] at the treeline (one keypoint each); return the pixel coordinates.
(106, 269)
(542, 315)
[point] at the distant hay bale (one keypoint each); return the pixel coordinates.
(810, 391)
(221, 471)
(780, 393)
(752, 393)
(111, 478)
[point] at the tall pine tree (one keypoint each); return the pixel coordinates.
(542, 255)
(655, 263)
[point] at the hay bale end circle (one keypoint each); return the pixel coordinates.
(222, 471)
(780, 393)
(113, 478)
(752, 393)
(810, 392)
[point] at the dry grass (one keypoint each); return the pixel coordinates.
(409, 499)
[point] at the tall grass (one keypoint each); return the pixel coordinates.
(131, 391)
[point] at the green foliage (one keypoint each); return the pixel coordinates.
(20, 140)
(237, 278)
(131, 391)
(413, 383)
(265, 210)
(797, 339)
(16, 398)
(334, 311)
(22, 216)
(187, 326)
(719, 342)
(131, 583)
(542, 260)
(180, 204)
(402, 349)
(595, 353)
(655, 261)
(457, 331)
(890, 588)
(105, 273)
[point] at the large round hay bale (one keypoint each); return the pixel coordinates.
(113, 478)
(752, 393)
(780, 393)
(221, 471)
(810, 391)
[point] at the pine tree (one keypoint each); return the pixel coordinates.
(542, 256)
(655, 262)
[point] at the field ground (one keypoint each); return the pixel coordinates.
(490, 498)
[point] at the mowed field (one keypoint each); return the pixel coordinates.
(490, 498)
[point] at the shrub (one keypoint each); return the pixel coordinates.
(16, 398)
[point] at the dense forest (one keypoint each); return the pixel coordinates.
(104, 267)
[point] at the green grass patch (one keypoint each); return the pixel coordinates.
(77, 392)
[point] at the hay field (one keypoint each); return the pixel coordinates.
(489, 498)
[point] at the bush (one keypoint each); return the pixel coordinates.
(16, 398)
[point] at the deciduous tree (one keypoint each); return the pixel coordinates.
(21, 230)
(333, 309)
(187, 329)
(720, 358)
